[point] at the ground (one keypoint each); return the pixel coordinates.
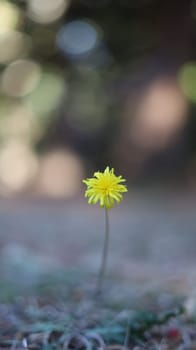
(50, 253)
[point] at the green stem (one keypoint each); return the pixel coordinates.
(104, 255)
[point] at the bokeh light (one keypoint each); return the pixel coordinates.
(21, 77)
(48, 94)
(18, 166)
(10, 16)
(160, 114)
(17, 121)
(65, 68)
(61, 172)
(78, 38)
(187, 79)
(13, 45)
(46, 11)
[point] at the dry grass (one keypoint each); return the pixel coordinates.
(70, 317)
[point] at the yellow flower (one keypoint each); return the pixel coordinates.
(105, 187)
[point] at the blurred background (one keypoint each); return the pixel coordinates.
(85, 84)
(89, 83)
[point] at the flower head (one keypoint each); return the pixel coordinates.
(105, 187)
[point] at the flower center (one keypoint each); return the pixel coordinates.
(105, 188)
